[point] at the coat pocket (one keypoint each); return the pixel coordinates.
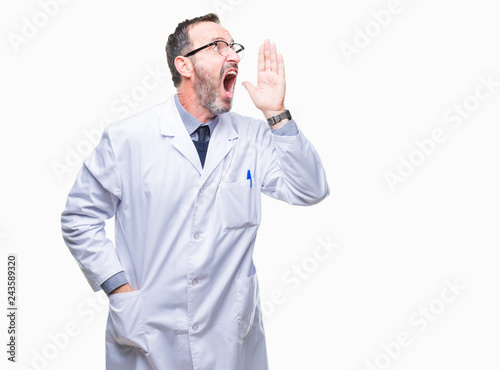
(247, 290)
(239, 204)
(126, 312)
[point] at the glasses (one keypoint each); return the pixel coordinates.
(222, 47)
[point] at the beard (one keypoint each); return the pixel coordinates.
(207, 89)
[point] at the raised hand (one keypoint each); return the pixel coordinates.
(269, 95)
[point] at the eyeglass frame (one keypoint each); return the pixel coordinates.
(215, 43)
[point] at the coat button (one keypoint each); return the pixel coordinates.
(196, 236)
(195, 282)
(195, 327)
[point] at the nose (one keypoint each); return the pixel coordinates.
(233, 56)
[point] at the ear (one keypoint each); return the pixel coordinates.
(184, 66)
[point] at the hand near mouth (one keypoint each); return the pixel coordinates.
(269, 95)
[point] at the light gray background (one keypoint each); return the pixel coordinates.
(394, 247)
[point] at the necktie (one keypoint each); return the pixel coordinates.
(203, 133)
(202, 143)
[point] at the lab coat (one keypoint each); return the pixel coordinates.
(184, 235)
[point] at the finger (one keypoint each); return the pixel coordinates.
(274, 64)
(281, 65)
(267, 57)
(262, 63)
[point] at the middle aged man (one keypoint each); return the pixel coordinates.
(184, 180)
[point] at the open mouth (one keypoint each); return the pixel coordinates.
(229, 81)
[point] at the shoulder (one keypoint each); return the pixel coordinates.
(137, 124)
(248, 126)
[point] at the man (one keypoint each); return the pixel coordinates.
(183, 180)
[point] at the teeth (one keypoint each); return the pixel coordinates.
(231, 73)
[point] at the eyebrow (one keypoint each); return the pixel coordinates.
(218, 38)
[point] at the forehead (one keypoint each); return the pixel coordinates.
(204, 32)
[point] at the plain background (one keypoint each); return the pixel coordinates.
(394, 249)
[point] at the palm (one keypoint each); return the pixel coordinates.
(269, 95)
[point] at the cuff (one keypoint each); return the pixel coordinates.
(288, 129)
(114, 282)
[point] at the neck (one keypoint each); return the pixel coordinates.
(190, 102)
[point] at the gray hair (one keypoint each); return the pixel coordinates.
(179, 41)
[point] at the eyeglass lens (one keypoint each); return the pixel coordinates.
(224, 49)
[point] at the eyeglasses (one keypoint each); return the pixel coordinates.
(222, 47)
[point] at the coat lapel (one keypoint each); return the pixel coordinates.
(221, 140)
(171, 125)
(221, 143)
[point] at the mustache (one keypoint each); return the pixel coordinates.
(229, 66)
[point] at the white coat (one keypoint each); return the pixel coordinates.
(184, 235)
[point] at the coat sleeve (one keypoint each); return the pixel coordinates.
(94, 198)
(294, 172)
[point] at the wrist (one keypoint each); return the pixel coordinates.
(122, 289)
(279, 124)
(268, 113)
(279, 120)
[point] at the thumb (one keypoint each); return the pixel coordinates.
(249, 86)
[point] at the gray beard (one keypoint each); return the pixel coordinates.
(208, 93)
